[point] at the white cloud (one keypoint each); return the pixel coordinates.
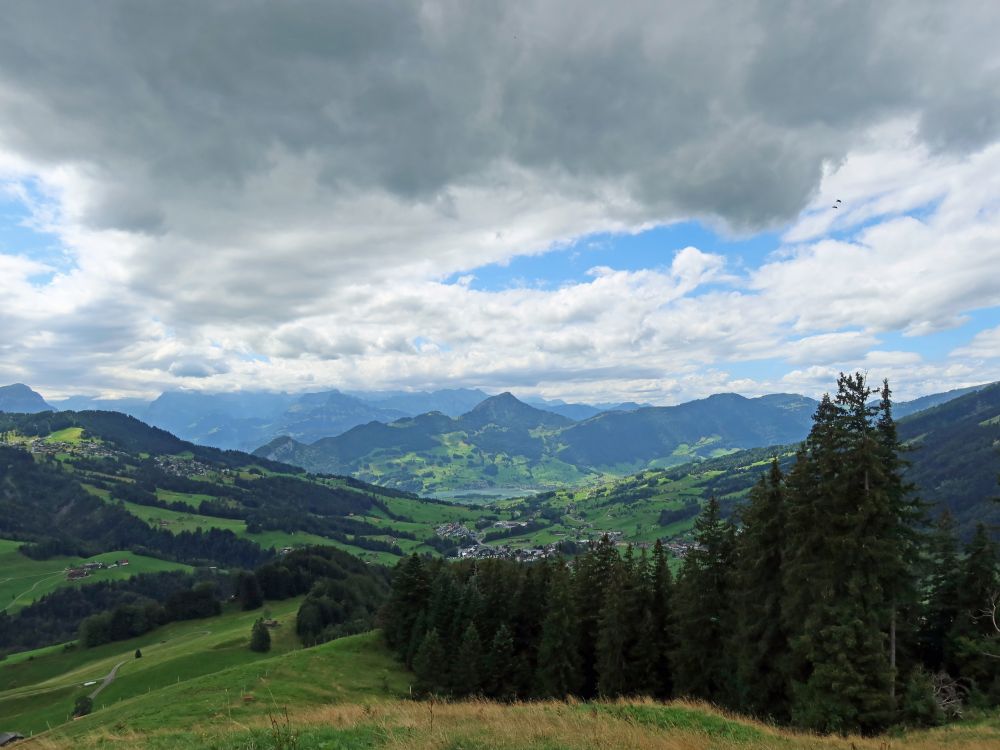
(984, 345)
(275, 200)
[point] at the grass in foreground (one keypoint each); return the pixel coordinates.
(351, 695)
(481, 725)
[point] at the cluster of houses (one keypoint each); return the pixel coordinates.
(506, 552)
(184, 467)
(84, 570)
(40, 446)
(455, 530)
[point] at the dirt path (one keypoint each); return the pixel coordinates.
(16, 599)
(108, 679)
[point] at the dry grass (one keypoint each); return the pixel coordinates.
(482, 725)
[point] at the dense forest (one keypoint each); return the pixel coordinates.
(827, 602)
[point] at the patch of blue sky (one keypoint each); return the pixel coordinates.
(939, 344)
(923, 213)
(651, 249)
(254, 357)
(22, 234)
(768, 369)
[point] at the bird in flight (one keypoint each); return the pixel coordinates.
(836, 203)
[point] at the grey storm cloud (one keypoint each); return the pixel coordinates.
(725, 110)
(277, 192)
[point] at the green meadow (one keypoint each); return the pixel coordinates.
(23, 580)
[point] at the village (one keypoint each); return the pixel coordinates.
(473, 547)
(75, 573)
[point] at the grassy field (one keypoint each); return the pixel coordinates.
(38, 690)
(23, 580)
(68, 435)
(197, 686)
(371, 718)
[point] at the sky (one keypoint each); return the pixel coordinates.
(581, 200)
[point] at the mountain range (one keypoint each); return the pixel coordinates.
(510, 446)
(247, 419)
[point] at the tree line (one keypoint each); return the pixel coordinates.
(826, 602)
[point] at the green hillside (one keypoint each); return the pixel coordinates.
(94, 481)
(349, 694)
(24, 580)
(38, 689)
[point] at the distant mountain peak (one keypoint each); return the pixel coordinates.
(507, 410)
(19, 398)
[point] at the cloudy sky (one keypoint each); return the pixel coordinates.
(592, 201)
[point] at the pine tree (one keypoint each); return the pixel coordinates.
(501, 665)
(467, 672)
(943, 597)
(661, 611)
(592, 574)
(428, 662)
(760, 640)
(248, 592)
(702, 664)
(260, 637)
(903, 544)
(612, 637)
(842, 535)
(410, 591)
(558, 671)
(642, 675)
(972, 633)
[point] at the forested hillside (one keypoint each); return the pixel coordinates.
(822, 603)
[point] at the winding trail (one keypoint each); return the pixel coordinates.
(108, 678)
(44, 577)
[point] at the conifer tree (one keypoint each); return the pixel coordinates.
(260, 638)
(702, 665)
(467, 673)
(660, 609)
(408, 598)
(593, 571)
(903, 543)
(612, 637)
(558, 671)
(760, 640)
(248, 591)
(841, 536)
(644, 641)
(979, 582)
(501, 665)
(943, 597)
(428, 663)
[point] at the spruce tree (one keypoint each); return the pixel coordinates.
(760, 640)
(612, 637)
(260, 638)
(973, 634)
(702, 611)
(660, 609)
(943, 597)
(429, 663)
(501, 665)
(903, 545)
(558, 671)
(467, 673)
(592, 574)
(248, 591)
(410, 591)
(843, 533)
(643, 646)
